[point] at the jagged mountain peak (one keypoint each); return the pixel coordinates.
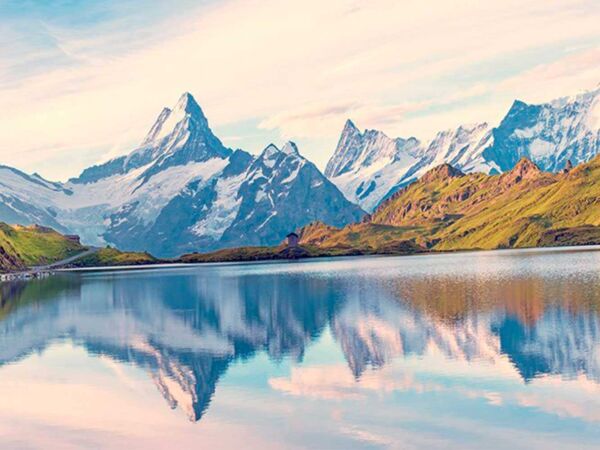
(170, 119)
(471, 127)
(290, 148)
(351, 130)
(186, 99)
(549, 134)
(525, 168)
(350, 127)
(356, 150)
(462, 131)
(441, 173)
(517, 104)
(271, 151)
(182, 191)
(583, 97)
(371, 133)
(273, 158)
(189, 105)
(156, 127)
(179, 135)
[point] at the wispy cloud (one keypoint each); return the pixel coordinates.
(320, 120)
(578, 69)
(298, 69)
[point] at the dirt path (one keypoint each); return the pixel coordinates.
(65, 261)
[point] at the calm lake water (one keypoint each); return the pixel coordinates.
(469, 350)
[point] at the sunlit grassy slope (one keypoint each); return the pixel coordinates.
(112, 257)
(32, 245)
(448, 210)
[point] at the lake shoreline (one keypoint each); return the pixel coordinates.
(163, 264)
(178, 263)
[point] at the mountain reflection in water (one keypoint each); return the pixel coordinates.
(185, 327)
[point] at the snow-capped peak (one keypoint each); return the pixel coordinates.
(188, 105)
(158, 124)
(269, 152)
(290, 148)
(169, 119)
(593, 117)
(550, 134)
(471, 127)
(583, 97)
(372, 149)
(179, 135)
(350, 127)
(368, 166)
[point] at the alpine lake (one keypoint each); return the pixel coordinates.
(472, 350)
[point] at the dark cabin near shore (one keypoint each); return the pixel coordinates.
(73, 238)
(292, 240)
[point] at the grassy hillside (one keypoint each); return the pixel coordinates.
(32, 245)
(112, 257)
(448, 210)
(320, 240)
(363, 238)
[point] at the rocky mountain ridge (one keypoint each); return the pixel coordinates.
(369, 167)
(181, 190)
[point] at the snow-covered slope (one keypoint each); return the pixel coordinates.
(365, 165)
(549, 134)
(29, 199)
(369, 166)
(182, 190)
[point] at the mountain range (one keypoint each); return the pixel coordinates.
(183, 191)
(369, 166)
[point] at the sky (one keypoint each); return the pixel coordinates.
(82, 82)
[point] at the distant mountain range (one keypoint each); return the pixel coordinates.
(369, 166)
(182, 190)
